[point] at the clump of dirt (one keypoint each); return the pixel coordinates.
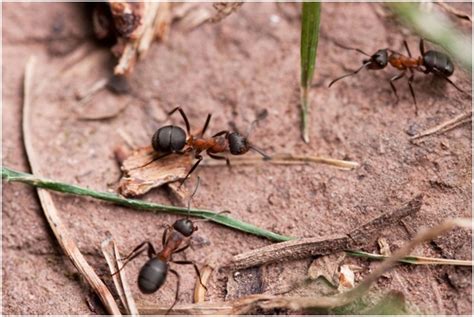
(235, 69)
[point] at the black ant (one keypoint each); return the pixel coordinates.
(176, 238)
(172, 139)
(430, 61)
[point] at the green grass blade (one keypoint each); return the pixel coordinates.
(437, 28)
(309, 45)
(14, 176)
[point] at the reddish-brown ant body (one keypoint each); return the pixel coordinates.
(173, 139)
(430, 61)
(175, 239)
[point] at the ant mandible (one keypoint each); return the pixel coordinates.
(430, 61)
(176, 238)
(172, 139)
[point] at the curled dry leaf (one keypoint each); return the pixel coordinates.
(199, 289)
(326, 267)
(346, 278)
(142, 172)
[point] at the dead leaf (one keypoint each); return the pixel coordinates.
(199, 290)
(142, 172)
(346, 278)
(384, 247)
(326, 267)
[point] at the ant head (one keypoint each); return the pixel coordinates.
(237, 143)
(185, 227)
(378, 60)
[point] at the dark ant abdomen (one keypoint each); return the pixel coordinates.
(168, 139)
(152, 275)
(237, 144)
(438, 63)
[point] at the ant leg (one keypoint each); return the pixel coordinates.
(410, 79)
(218, 157)
(451, 82)
(422, 47)
(199, 157)
(176, 297)
(188, 128)
(146, 245)
(195, 269)
(183, 248)
(206, 124)
(407, 48)
(165, 235)
(155, 159)
(393, 86)
(221, 133)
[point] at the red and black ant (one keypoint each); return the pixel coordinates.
(176, 238)
(172, 139)
(430, 61)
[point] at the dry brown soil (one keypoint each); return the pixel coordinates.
(235, 69)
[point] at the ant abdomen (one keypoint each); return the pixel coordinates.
(237, 143)
(168, 139)
(152, 275)
(438, 63)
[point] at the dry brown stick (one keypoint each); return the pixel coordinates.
(285, 159)
(302, 248)
(446, 126)
(51, 213)
(220, 308)
(247, 304)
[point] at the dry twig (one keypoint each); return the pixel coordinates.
(113, 258)
(302, 248)
(445, 126)
(51, 213)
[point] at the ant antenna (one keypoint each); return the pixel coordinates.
(259, 151)
(192, 195)
(351, 74)
(260, 116)
(352, 49)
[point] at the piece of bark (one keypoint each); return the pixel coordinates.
(142, 172)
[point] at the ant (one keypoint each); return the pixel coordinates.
(172, 139)
(176, 238)
(430, 61)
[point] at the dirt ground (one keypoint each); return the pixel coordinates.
(235, 69)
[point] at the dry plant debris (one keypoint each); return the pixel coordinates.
(445, 126)
(199, 289)
(51, 213)
(302, 248)
(135, 25)
(251, 304)
(113, 258)
(142, 172)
